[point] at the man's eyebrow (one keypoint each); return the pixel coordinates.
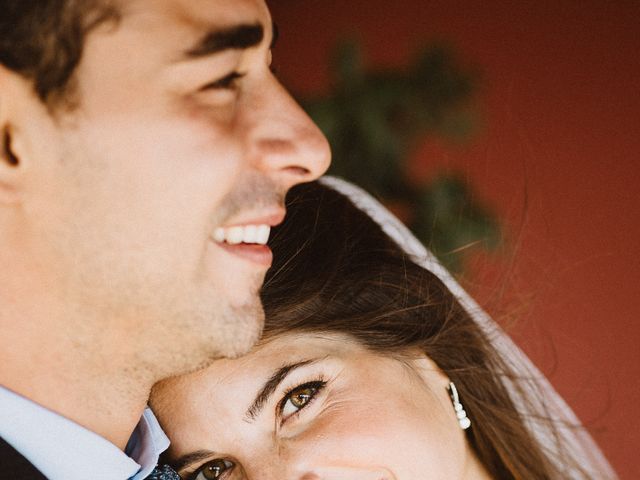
(239, 37)
(191, 458)
(270, 386)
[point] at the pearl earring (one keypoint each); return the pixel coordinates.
(463, 420)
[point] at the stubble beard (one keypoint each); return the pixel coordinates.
(227, 330)
(209, 330)
(174, 324)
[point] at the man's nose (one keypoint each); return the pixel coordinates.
(285, 142)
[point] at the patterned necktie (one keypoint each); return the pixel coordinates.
(163, 472)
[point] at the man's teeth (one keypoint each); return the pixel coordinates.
(253, 234)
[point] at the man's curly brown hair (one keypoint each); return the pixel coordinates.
(43, 40)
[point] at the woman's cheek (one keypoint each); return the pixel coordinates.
(383, 432)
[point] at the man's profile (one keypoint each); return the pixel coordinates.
(146, 152)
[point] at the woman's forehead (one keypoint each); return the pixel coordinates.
(280, 350)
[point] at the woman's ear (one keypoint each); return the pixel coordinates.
(429, 372)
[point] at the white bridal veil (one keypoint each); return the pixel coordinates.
(533, 395)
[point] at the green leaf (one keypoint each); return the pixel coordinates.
(373, 118)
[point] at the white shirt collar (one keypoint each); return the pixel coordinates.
(64, 450)
(147, 443)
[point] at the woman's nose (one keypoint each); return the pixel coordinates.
(311, 464)
(342, 473)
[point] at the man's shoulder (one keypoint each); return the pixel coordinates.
(15, 466)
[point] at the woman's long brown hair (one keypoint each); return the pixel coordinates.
(336, 271)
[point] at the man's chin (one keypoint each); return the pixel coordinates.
(204, 337)
(247, 334)
(241, 346)
(237, 334)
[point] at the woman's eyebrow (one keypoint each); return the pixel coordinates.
(191, 458)
(270, 386)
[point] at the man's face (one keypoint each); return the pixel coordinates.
(181, 133)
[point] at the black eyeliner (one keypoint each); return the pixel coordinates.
(318, 385)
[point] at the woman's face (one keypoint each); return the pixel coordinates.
(311, 407)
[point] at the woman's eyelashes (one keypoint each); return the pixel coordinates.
(298, 398)
(218, 469)
(289, 407)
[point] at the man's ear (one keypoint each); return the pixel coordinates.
(7, 154)
(10, 168)
(12, 154)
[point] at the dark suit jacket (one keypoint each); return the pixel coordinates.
(14, 466)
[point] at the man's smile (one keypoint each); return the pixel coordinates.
(247, 234)
(248, 239)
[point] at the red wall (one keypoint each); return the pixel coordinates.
(557, 159)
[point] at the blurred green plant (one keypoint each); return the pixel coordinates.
(375, 119)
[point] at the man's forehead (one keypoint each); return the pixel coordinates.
(199, 14)
(174, 29)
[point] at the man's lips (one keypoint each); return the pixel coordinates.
(250, 234)
(248, 238)
(258, 254)
(249, 228)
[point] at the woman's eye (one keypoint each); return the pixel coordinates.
(215, 470)
(299, 397)
(226, 82)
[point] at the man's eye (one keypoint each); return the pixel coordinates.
(226, 82)
(217, 469)
(299, 397)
